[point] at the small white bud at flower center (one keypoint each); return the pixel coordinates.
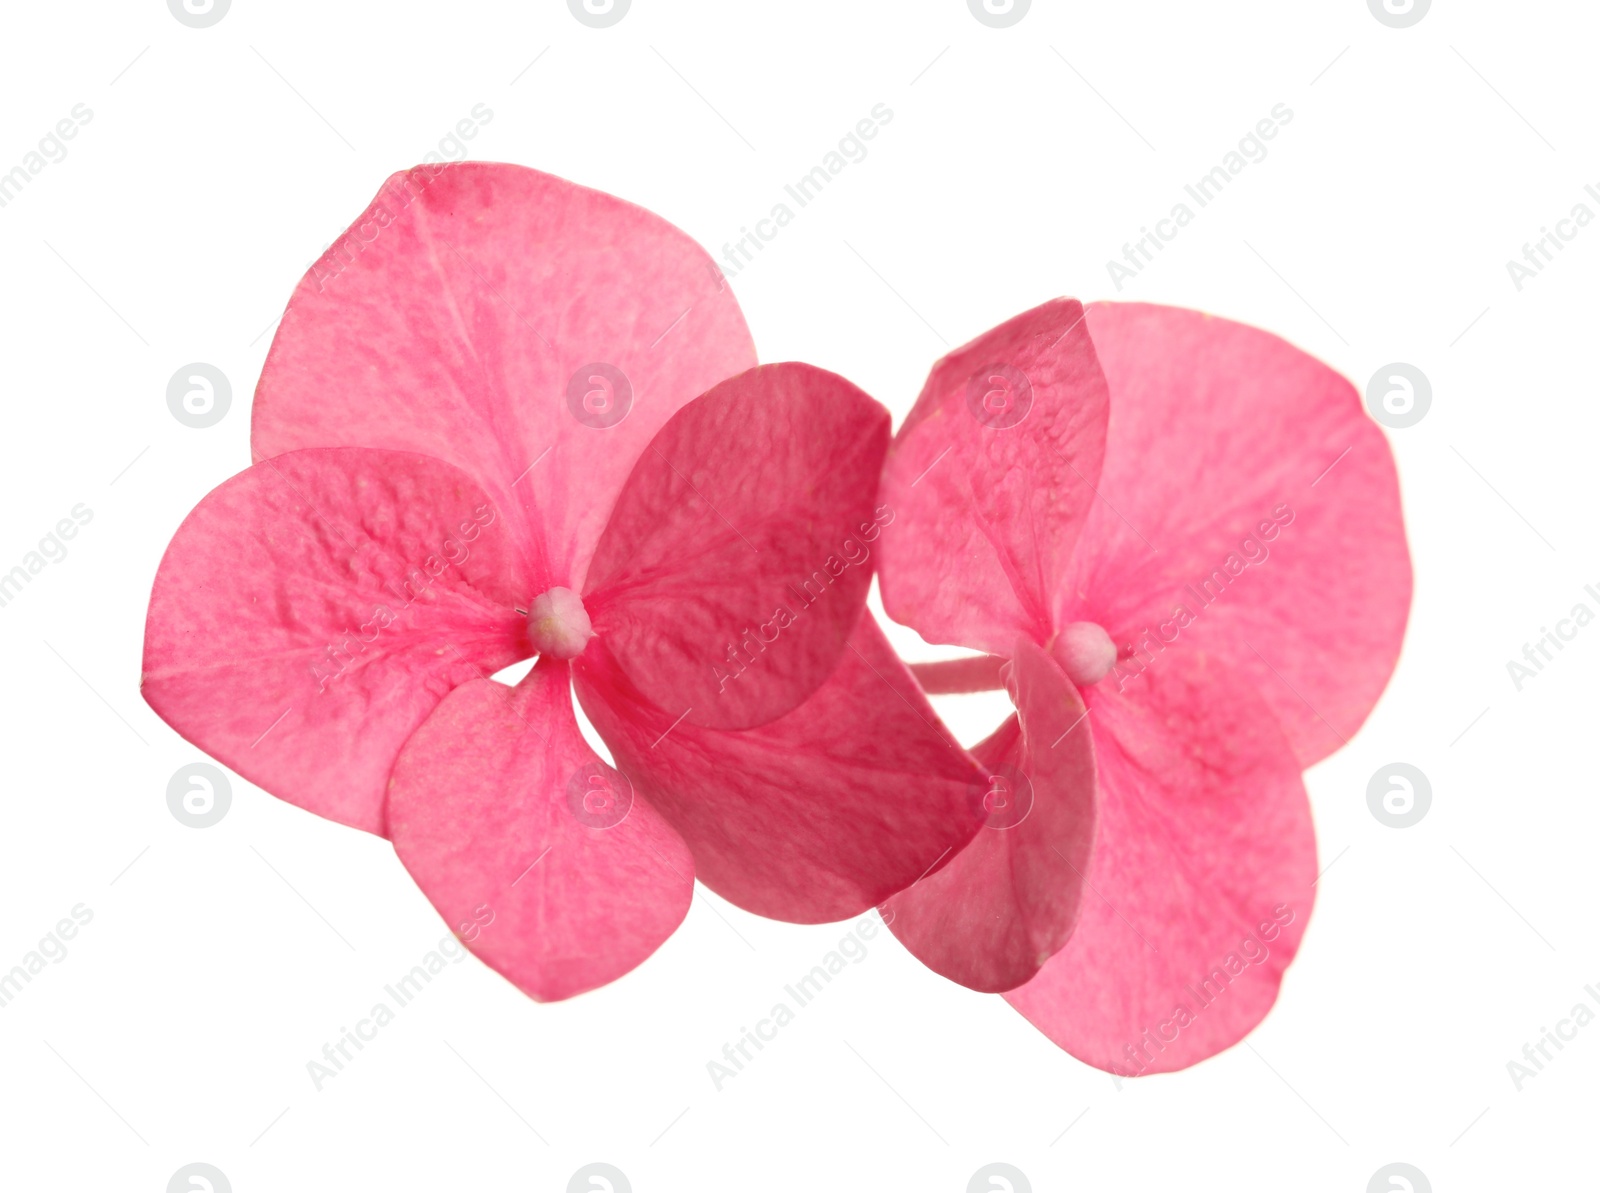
(1086, 652)
(558, 624)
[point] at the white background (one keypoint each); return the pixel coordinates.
(221, 162)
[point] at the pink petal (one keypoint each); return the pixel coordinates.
(1204, 861)
(1218, 430)
(311, 611)
(510, 825)
(815, 816)
(990, 499)
(737, 560)
(1002, 906)
(471, 310)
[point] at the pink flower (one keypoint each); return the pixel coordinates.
(507, 416)
(1185, 537)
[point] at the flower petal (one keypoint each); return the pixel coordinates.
(992, 476)
(737, 560)
(1245, 484)
(311, 611)
(533, 850)
(504, 320)
(1200, 881)
(815, 816)
(1002, 906)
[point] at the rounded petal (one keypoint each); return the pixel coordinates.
(1007, 902)
(1200, 884)
(991, 478)
(816, 816)
(533, 332)
(311, 611)
(535, 853)
(1250, 509)
(737, 560)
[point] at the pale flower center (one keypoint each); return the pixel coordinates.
(558, 624)
(1086, 652)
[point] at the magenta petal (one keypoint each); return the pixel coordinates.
(533, 332)
(815, 816)
(1002, 906)
(1201, 877)
(991, 478)
(535, 853)
(737, 560)
(311, 611)
(1246, 486)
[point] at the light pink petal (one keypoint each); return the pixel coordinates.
(536, 853)
(1244, 485)
(471, 310)
(991, 478)
(311, 611)
(1200, 884)
(815, 816)
(737, 560)
(1002, 906)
